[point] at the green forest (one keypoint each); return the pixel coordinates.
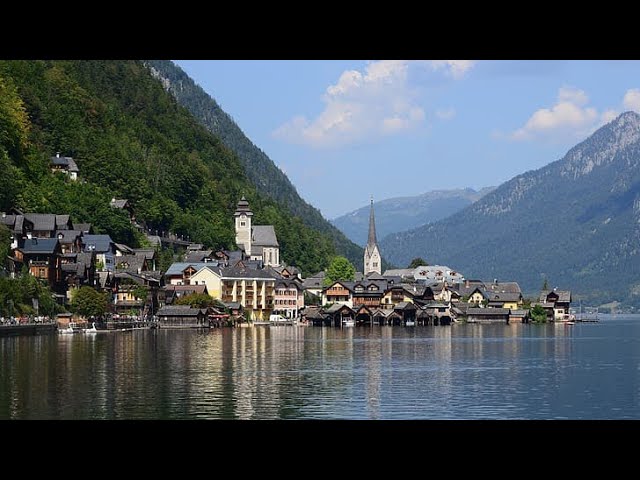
(261, 171)
(130, 140)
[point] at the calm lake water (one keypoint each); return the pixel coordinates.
(584, 371)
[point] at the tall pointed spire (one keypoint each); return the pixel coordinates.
(372, 226)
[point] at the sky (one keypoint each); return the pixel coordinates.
(345, 130)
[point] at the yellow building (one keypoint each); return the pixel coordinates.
(212, 278)
(253, 289)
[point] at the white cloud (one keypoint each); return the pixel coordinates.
(446, 113)
(455, 68)
(377, 101)
(569, 117)
(631, 100)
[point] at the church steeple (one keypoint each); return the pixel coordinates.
(372, 258)
(372, 226)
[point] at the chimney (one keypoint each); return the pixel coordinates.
(466, 283)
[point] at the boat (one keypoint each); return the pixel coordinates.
(348, 323)
(410, 323)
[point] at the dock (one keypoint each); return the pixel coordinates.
(27, 329)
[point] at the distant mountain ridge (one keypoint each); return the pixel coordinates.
(259, 168)
(398, 214)
(575, 222)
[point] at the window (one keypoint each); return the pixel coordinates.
(375, 264)
(242, 224)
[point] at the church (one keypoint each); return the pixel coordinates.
(259, 242)
(372, 258)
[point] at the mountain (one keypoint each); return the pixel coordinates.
(403, 213)
(259, 168)
(130, 139)
(575, 222)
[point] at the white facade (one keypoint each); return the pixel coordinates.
(243, 232)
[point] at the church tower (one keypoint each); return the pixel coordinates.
(243, 216)
(372, 259)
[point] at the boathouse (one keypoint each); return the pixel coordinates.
(182, 317)
(488, 315)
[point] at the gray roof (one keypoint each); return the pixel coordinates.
(119, 203)
(39, 245)
(504, 287)
(487, 311)
(374, 276)
(130, 263)
(399, 272)
(563, 295)
(185, 288)
(288, 283)
(83, 227)
(243, 207)
(146, 253)
(312, 282)
(67, 162)
(42, 221)
(123, 248)
(405, 306)
(194, 246)
(337, 307)
(180, 311)
(243, 272)
(68, 236)
(102, 243)
(178, 267)
(198, 256)
(519, 313)
(263, 236)
(503, 297)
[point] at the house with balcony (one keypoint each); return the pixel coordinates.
(41, 256)
(253, 289)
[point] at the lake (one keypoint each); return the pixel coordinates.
(584, 371)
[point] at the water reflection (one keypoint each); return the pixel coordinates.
(380, 372)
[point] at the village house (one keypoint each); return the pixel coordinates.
(556, 302)
(42, 257)
(103, 247)
(78, 269)
(211, 277)
(180, 273)
(338, 293)
(66, 165)
(369, 293)
(313, 285)
(288, 298)
(126, 288)
(510, 300)
(70, 240)
(253, 289)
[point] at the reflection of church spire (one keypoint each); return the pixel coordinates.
(372, 226)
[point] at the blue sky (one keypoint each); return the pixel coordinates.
(345, 130)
